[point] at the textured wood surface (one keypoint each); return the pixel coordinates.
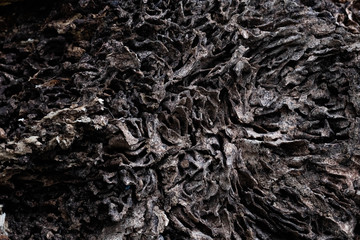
(180, 119)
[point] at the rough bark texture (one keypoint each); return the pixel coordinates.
(180, 119)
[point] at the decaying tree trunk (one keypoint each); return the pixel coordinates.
(180, 119)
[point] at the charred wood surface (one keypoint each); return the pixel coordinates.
(180, 119)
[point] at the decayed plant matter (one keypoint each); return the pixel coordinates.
(186, 119)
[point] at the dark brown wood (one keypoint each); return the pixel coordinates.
(180, 119)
